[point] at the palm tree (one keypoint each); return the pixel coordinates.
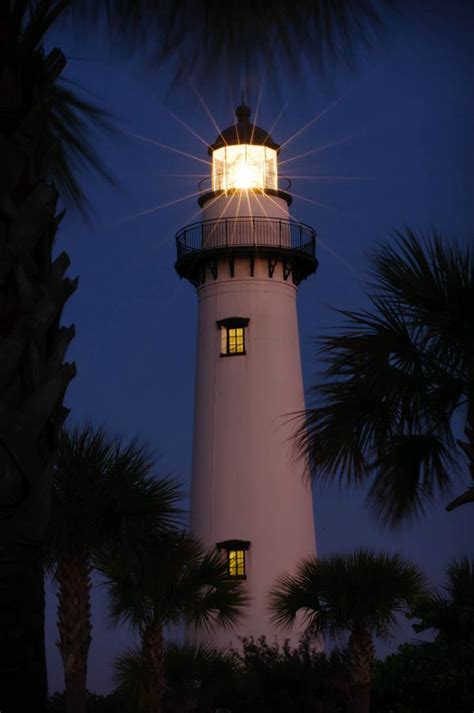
(169, 579)
(103, 491)
(196, 677)
(43, 140)
(450, 612)
(359, 594)
(398, 377)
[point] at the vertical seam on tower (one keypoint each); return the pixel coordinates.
(213, 449)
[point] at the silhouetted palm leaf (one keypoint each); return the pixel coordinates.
(242, 35)
(104, 496)
(132, 673)
(193, 674)
(65, 151)
(450, 612)
(345, 592)
(104, 491)
(358, 594)
(68, 146)
(169, 578)
(395, 378)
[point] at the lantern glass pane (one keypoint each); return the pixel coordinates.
(244, 166)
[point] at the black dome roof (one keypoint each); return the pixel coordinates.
(243, 132)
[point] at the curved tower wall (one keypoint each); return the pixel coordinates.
(246, 482)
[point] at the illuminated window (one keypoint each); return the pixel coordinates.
(236, 553)
(233, 335)
(244, 166)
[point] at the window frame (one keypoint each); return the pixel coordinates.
(233, 323)
(236, 546)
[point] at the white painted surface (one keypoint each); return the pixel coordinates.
(247, 483)
(245, 203)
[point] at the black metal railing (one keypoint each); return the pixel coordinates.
(246, 232)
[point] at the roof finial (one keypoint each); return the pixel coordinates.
(243, 111)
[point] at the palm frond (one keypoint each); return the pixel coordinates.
(167, 578)
(294, 594)
(132, 676)
(203, 37)
(81, 458)
(195, 661)
(345, 592)
(142, 502)
(143, 582)
(432, 278)
(67, 146)
(450, 612)
(410, 472)
(460, 580)
(35, 19)
(190, 671)
(393, 379)
(377, 382)
(197, 676)
(64, 149)
(211, 599)
(463, 499)
(104, 494)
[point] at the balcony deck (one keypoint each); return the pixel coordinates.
(202, 244)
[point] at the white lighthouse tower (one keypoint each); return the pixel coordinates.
(250, 496)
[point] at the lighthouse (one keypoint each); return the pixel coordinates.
(250, 497)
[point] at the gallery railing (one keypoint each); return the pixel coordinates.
(246, 232)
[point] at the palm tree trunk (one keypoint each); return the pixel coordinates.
(33, 377)
(360, 699)
(154, 652)
(468, 447)
(361, 661)
(22, 654)
(74, 624)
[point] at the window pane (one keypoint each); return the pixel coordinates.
(240, 563)
(232, 340)
(236, 563)
(218, 179)
(223, 340)
(232, 563)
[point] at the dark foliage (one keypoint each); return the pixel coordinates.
(198, 678)
(242, 37)
(346, 592)
(438, 676)
(278, 679)
(426, 678)
(65, 151)
(95, 704)
(397, 379)
(451, 611)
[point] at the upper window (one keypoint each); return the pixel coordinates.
(233, 335)
(236, 554)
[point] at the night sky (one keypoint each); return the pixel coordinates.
(399, 130)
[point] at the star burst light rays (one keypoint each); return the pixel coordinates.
(243, 193)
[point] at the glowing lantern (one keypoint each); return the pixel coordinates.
(244, 157)
(244, 166)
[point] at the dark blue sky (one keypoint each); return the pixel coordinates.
(407, 116)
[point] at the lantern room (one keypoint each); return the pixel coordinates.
(244, 156)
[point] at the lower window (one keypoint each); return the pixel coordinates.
(236, 554)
